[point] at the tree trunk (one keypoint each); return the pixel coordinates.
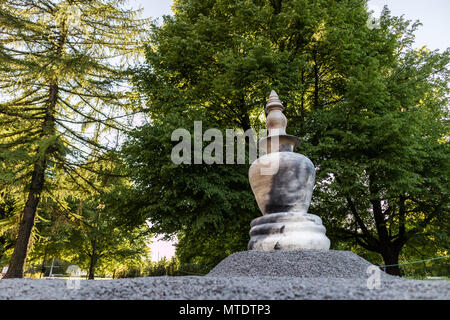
(43, 263)
(93, 261)
(302, 106)
(19, 256)
(17, 263)
(390, 257)
(94, 254)
(316, 81)
(50, 273)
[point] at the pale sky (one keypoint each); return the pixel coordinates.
(435, 34)
(153, 8)
(434, 14)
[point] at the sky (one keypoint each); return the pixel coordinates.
(435, 34)
(153, 8)
(434, 14)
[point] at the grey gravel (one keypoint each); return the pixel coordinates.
(294, 263)
(309, 275)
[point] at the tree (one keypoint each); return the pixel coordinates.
(191, 201)
(216, 62)
(86, 229)
(64, 65)
(368, 107)
(104, 243)
(382, 153)
(87, 234)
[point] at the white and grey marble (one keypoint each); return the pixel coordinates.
(282, 182)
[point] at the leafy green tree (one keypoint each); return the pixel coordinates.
(104, 243)
(382, 153)
(216, 62)
(86, 229)
(369, 108)
(87, 234)
(191, 201)
(64, 67)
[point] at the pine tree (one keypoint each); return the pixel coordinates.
(63, 74)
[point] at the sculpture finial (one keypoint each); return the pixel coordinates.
(274, 102)
(276, 120)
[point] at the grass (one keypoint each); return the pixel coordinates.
(426, 278)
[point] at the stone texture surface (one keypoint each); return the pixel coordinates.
(245, 276)
(224, 288)
(288, 230)
(294, 263)
(282, 182)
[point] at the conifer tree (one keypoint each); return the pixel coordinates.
(63, 74)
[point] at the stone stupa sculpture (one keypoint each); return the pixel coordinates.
(282, 182)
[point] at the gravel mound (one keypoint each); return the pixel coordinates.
(223, 288)
(248, 275)
(295, 263)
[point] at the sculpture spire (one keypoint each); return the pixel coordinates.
(274, 102)
(276, 121)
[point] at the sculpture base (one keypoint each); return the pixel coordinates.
(289, 231)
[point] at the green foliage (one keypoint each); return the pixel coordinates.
(216, 62)
(382, 153)
(128, 272)
(7, 224)
(58, 88)
(188, 200)
(87, 229)
(202, 249)
(64, 70)
(370, 109)
(90, 238)
(172, 267)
